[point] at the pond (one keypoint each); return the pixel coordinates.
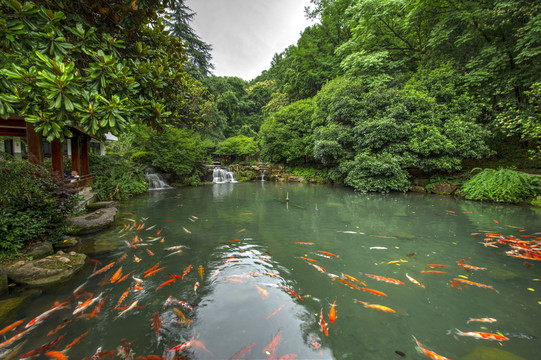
(236, 271)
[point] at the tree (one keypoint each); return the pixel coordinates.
(199, 53)
(98, 67)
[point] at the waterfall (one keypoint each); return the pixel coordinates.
(156, 182)
(262, 175)
(220, 176)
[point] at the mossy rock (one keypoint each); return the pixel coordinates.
(10, 305)
(68, 242)
(39, 250)
(490, 353)
(501, 274)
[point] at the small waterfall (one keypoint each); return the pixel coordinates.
(156, 182)
(221, 176)
(262, 175)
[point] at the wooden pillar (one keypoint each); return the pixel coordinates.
(56, 157)
(75, 154)
(35, 149)
(84, 155)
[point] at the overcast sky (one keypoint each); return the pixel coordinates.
(245, 34)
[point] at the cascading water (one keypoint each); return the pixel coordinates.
(262, 175)
(156, 182)
(221, 176)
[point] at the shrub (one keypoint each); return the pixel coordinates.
(34, 205)
(501, 185)
(240, 144)
(115, 178)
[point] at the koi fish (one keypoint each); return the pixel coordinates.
(433, 272)
(332, 312)
(242, 352)
(102, 353)
(378, 248)
(186, 271)
(467, 282)
(488, 320)
(376, 307)
(195, 287)
(122, 297)
(59, 327)
(328, 253)
(178, 247)
(157, 324)
(187, 345)
(275, 312)
(214, 274)
(319, 268)
(136, 259)
(461, 261)
(304, 243)
(149, 252)
(201, 272)
(241, 230)
(186, 230)
(14, 338)
(290, 291)
(185, 304)
(41, 349)
(98, 308)
(429, 353)
(288, 356)
(482, 335)
(11, 327)
(132, 306)
(82, 307)
(347, 283)
(471, 267)
(166, 283)
(76, 341)
(437, 265)
(102, 270)
(414, 281)
(386, 279)
(116, 275)
(305, 258)
(323, 324)
(153, 272)
(39, 319)
(122, 257)
(375, 292)
(264, 293)
(150, 228)
(58, 355)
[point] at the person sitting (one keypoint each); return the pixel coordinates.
(74, 175)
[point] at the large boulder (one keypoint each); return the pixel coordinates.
(39, 250)
(93, 222)
(48, 271)
(445, 189)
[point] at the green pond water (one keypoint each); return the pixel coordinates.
(245, 237)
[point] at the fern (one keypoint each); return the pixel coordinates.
(501, 185)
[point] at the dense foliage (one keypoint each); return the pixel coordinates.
(34, 205)
(243, 146)
(98, 65)
(501, 185)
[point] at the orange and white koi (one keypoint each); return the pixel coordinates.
(471, 267)
(214, 274)
(332, 312)
(488, 320)
(195, 287)
(83, 306)
(39, 319)
(414, 281)
(132, 306)
(323, 324)
(375, 292)
(319, 268)
(328, 253)
(482, 335)
(429, 353)
(102, 270)
(305, 258)
(385, 279)
(275, 312)
(187, 345)
(136, 259)
(14, 338)
(467, 282)
(290, 291)
(376, 307)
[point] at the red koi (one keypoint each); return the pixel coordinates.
(245, 350)
(323, 324)
(157, 324)
(103, 269)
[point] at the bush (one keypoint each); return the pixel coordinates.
(501, 185)
(240, 144)
(115, 178)
(34, 205)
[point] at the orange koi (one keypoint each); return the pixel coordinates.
(41, 349)
(323, 324)
(375, 292)
(455, 284)
(135, 239)
(496, 221)
(347, 283)
(264, 293)
(275, 312)
(122, 297)
(215, 273)
(123, 278)
(429, 353)
(386, 279)
(122, 257)
(242, 352)
(139, 227)
(116, 275)
(271, 347)
(414, 281)
(102, 270)
(304, 243)
(437, 265)
(467, 282)
(150, 252)
(290, 291)
(488, 320)
(166, 283)
(76, 341)
(353, 279)
(332, 312)
(471, 267)
(158, 233)
(450, 212)
(154, 267)
(376, 307)
(434, 272)
(11, 327)
(482, 335)
(461, 261)
(327, 253)
(186, 271)
(305, 258)
(288, 356)
(14, 338)
(153, 272)
(98, 308)
(58, 355)
(59, 327)
(157, 324)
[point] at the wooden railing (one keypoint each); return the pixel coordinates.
(83, 181)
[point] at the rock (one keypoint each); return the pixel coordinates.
(48, 271)
(3, 282)
(39, 250)
(8, 306)
(445, 189)
(501, 274)
(93, 222)
(490, 353)
(101, 204)
(68, 242)
(417, 188)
